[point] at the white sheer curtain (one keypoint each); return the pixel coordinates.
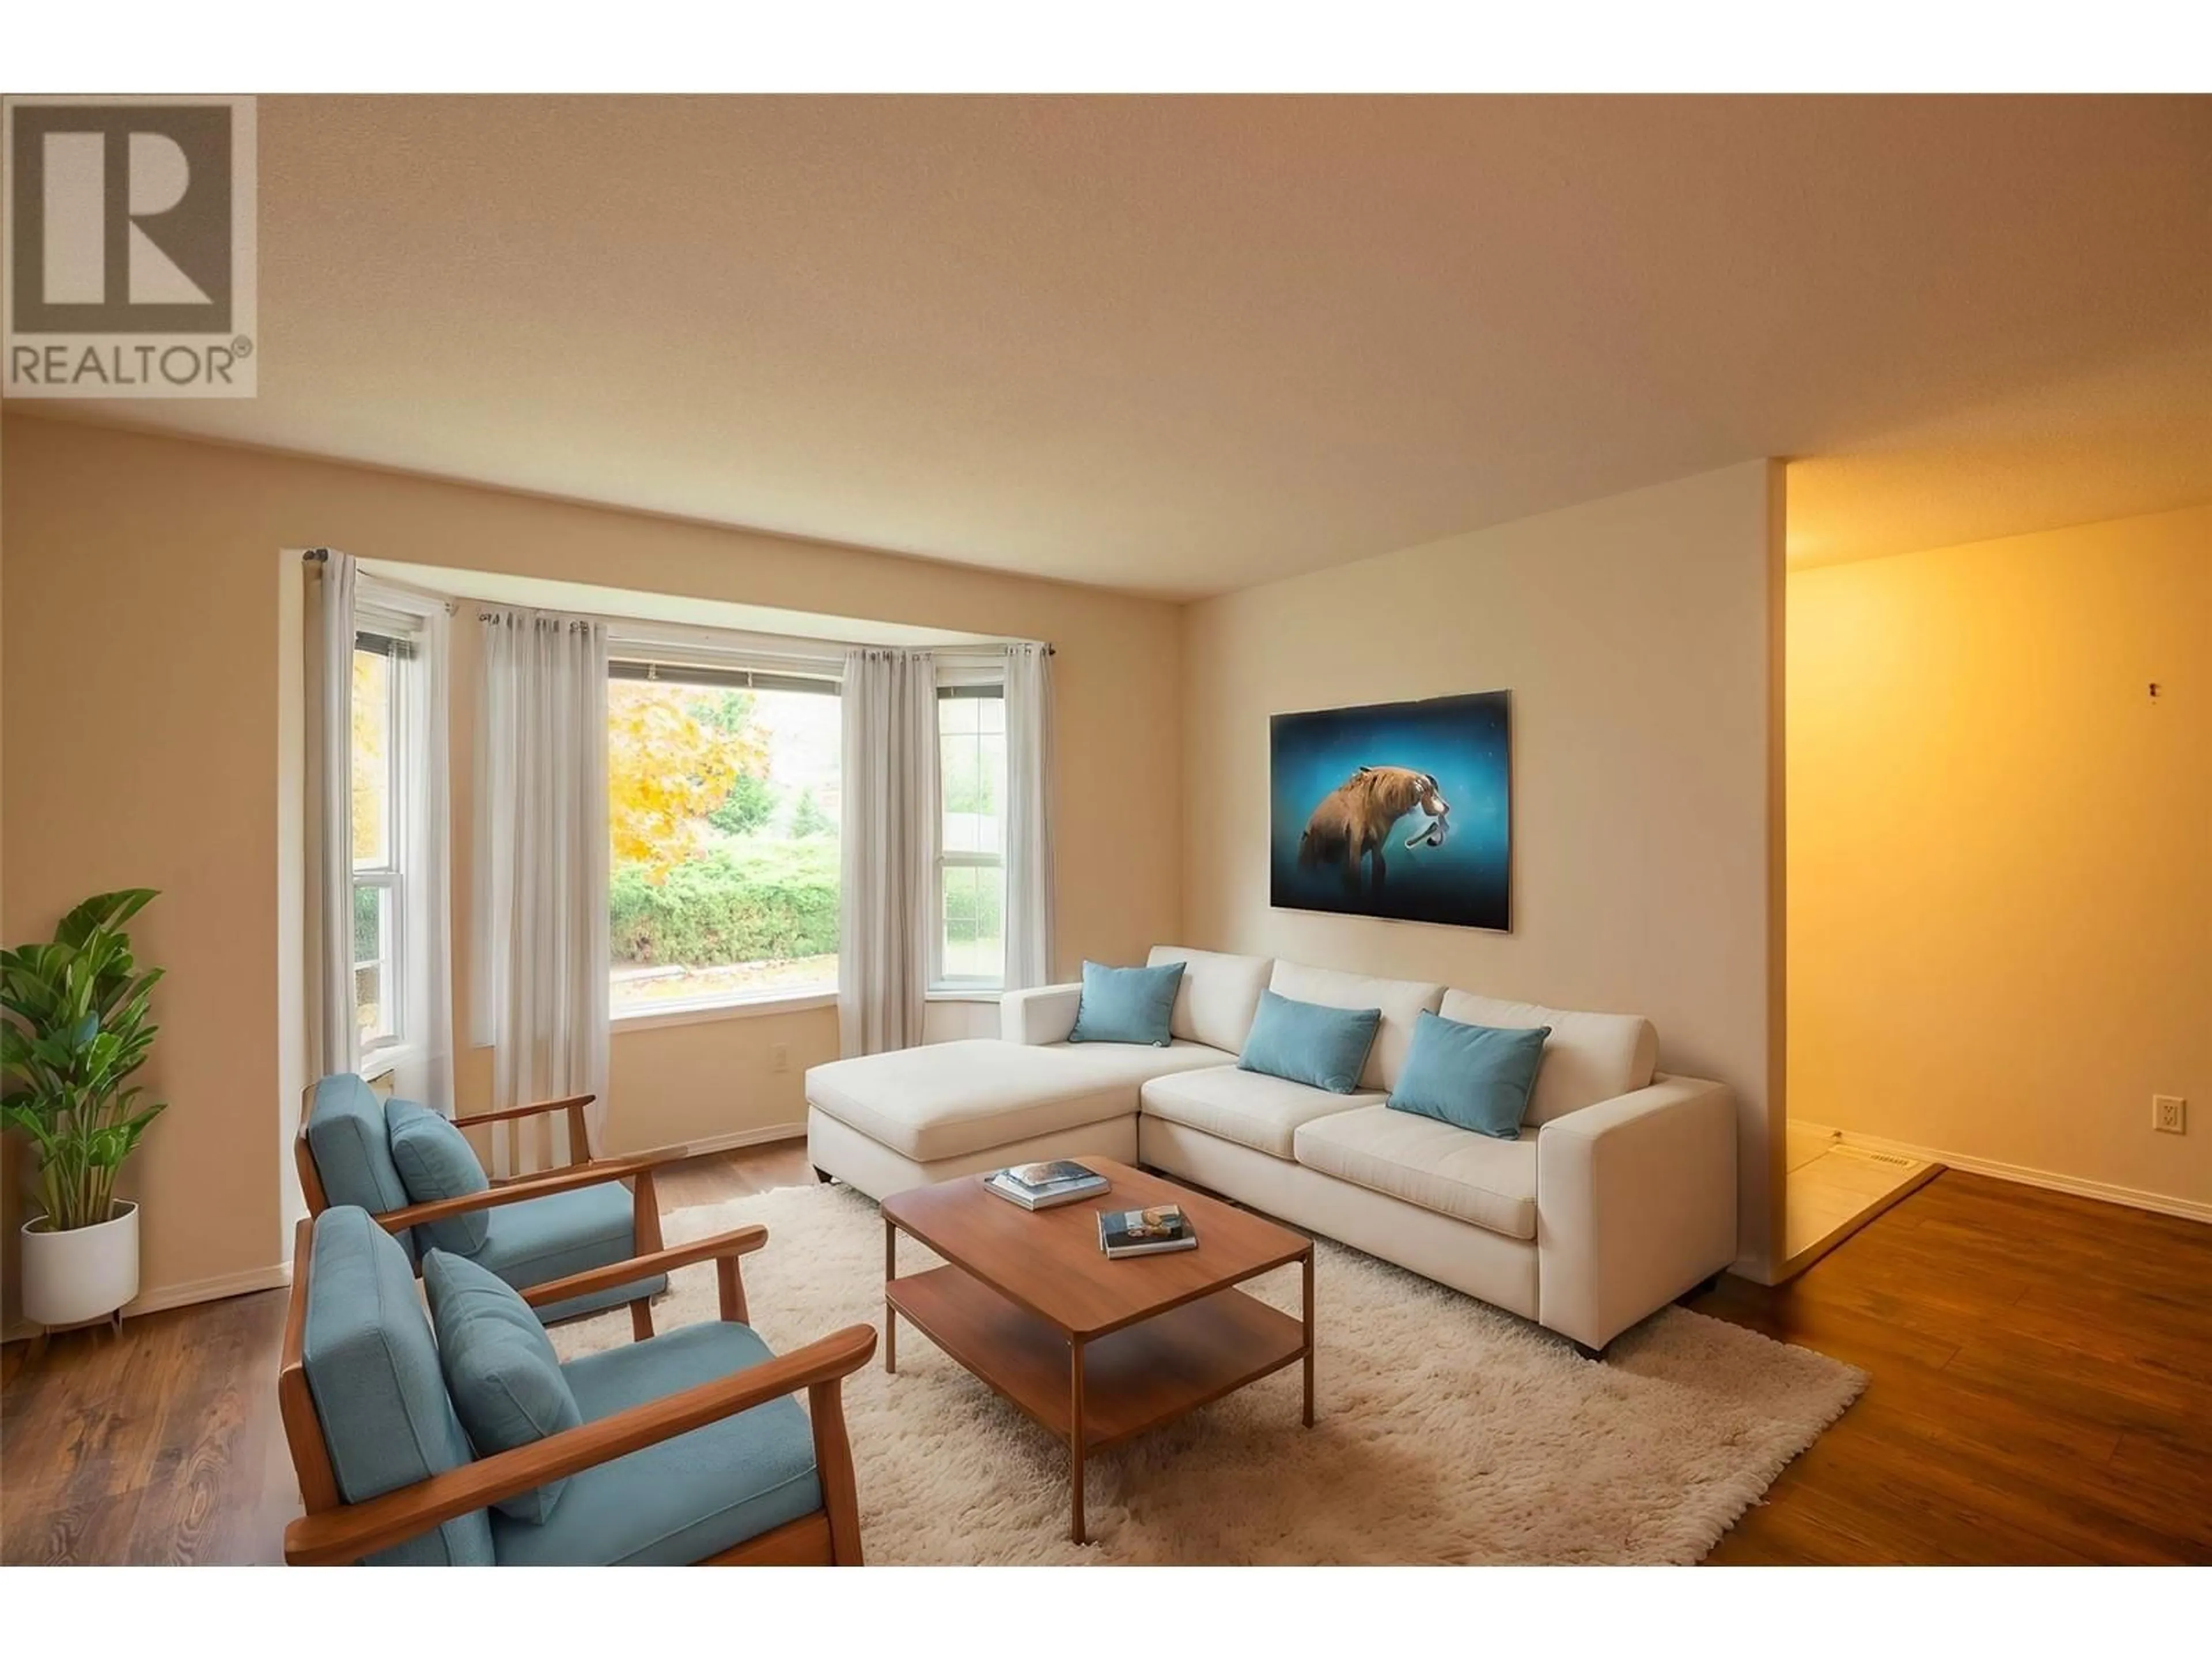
(333, 1035)
(422, 821)
(1029, 815)
(887, 831)
(539, 980)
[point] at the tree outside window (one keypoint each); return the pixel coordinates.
(722, 804)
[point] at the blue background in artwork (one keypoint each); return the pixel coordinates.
(1466, 742)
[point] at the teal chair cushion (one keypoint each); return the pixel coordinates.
(686, 1498)
(436, 1161)
(352, 1151)
(502, 1372)
(372, 1371)
(562, 1233)
(1126, 1005)
(1306, 1042)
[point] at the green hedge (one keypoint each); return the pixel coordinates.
(748, 902)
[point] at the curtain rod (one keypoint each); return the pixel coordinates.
(321, 555)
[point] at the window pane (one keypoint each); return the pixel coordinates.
(368, 923)
(974, 931)
(971, 760)
(723, 807)
(374, 984)
(372, 761)
(367, 999)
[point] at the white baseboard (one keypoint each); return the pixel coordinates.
(736, 1139)
(2189, 1209)
(272, 1278)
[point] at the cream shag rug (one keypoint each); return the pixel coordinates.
(1445, 1430)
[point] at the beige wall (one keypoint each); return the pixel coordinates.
(1639, 638)
(11, 1173)
(146, 678)
(2001, 850)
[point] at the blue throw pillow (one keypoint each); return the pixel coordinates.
(1126, 1005)
(436, 1161)
(1309, 1042)
(501, 1369)
(1478, 1077)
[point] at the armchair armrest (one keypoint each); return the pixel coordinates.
(528, 1187)
(723, 1249)
(580, 1132)
(1636, 1201)
(1045, 1013)
(353, 1530)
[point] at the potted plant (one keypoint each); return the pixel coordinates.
(77, 1030)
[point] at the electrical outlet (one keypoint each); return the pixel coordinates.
(2169, 1115)
(778, 1057)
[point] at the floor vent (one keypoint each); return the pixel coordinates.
(1891, 1158)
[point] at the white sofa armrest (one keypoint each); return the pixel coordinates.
(1636, 1202)
(1045, 1013)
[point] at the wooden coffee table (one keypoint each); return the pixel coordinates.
(1097, 1351)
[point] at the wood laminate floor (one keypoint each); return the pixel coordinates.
(2042, 1393)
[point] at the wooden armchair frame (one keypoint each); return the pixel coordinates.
(579, 1139)
(334, 1531)
(582, 1171)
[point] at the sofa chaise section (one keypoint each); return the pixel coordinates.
(887, 1122)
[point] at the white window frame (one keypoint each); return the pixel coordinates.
(954, 679)
(713, 661)
(396, 643)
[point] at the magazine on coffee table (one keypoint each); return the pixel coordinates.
(1043, 1186)
(1153, 1230)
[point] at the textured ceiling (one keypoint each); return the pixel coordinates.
(1184, 345)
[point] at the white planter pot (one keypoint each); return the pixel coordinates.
(84, 1274)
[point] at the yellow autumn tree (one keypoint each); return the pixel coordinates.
(667, 769)
(372, 714)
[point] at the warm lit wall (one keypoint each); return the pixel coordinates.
(146, 668)
(2001, 850)
(1638, 635)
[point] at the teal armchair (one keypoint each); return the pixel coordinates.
(417, 1174)
(682, 1448)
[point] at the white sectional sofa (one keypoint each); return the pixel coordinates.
(1619, 1195)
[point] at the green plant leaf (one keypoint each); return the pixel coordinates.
(102, 910)
(79, 1029)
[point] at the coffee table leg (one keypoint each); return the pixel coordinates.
(1075, 1435)
(1309, 1333)
(890, 1314)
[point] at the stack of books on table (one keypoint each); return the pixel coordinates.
(1152, 1232)
(1041, 1186)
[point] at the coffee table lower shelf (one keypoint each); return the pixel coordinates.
(1112, 1387)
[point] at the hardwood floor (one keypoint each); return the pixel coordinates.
(2041, 1386)
(2042, 1393)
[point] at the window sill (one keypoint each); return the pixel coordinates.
(701, 1013)
(383, 1062)
(963, 994)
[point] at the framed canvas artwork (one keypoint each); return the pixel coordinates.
(1398, 810)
